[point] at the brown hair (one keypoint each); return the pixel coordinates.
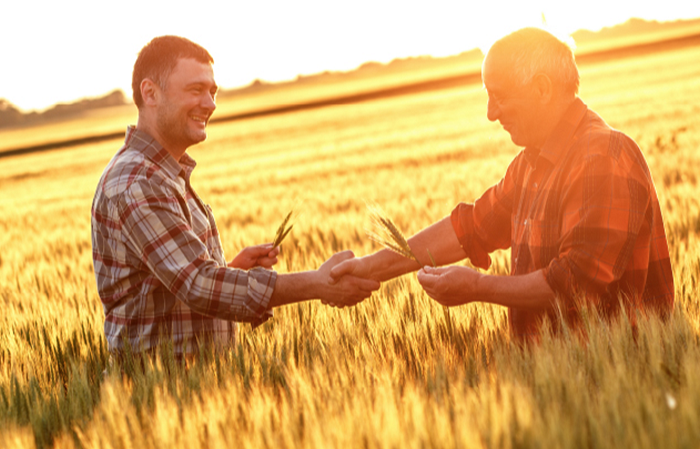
(158, 59)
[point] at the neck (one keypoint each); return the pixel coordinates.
(554, 114)
(146, 125)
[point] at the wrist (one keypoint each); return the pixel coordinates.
(482, 291)
(316, 281)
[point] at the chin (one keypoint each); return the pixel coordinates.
(514, 139)
(517, 141)
(197, 136)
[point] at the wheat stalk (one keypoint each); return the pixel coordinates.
(282, 231)
(389, 236)
(432, 260)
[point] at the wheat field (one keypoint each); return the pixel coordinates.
(398, 370)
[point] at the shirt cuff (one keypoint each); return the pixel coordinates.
(261, 284)
(562, 282)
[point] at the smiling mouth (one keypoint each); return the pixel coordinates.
(199, 119)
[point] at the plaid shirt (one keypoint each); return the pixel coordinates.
(584, 210)
(158, 260)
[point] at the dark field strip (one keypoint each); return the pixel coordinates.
(423, 86)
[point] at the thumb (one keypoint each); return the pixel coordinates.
(343, 268)
(427, 276)
(342, 256)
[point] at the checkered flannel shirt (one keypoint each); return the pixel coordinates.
(158, 260)
(584, 210)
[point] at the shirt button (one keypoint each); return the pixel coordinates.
(525, 222)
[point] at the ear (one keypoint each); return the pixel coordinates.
(544, 87)
(149, 92)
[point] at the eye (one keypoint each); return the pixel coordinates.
(497, 97)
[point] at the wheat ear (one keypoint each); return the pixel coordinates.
(282, 231)
(387, 234)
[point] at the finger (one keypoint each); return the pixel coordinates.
(349, 301)
(343, 255)
(427, 280)
(266, 262)
(365, 284)
(342, 269)
(358, 299)
(433, 296)
(351, 290)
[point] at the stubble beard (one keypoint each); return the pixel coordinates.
(174, 127)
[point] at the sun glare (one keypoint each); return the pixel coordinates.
(88, 55)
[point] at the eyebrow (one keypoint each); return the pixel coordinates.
(201, 84)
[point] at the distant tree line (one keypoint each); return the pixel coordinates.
(10, 115)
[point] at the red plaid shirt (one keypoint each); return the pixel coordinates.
(158, 260)
(584, 210)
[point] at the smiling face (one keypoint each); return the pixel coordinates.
(519, 108)
(185, 104)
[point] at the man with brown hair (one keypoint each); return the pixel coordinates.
(158, 259)
(577, 206)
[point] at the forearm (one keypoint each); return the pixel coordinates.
(348, 291)
(439, 239)
(296, 287)
(529, 291)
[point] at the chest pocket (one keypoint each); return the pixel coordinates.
(543, 241)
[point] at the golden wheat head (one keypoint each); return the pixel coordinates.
(387, 234)
(282, 231)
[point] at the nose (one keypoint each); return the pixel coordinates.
(208, 101)
(492, 110)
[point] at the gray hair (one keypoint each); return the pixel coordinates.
(530, 51)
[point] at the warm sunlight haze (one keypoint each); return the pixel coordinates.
(332, 133)
(62, 51)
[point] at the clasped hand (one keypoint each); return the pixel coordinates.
(345, 290)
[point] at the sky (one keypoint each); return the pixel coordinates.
(55, 52)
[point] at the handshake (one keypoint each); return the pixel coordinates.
(336, 282)
(344, 280)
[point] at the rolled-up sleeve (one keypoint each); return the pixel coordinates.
(156, 231)
(485, 226)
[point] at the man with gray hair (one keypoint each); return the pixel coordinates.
(577, 206)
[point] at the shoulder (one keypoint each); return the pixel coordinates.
(603, 150)
(595, 137)
(129, 169)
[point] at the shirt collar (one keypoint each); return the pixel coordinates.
(154, 151)
(558, 141)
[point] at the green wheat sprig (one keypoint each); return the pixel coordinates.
(388, 235)
(282, 231)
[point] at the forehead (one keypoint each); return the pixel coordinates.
(188, 70)
(496, 74)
